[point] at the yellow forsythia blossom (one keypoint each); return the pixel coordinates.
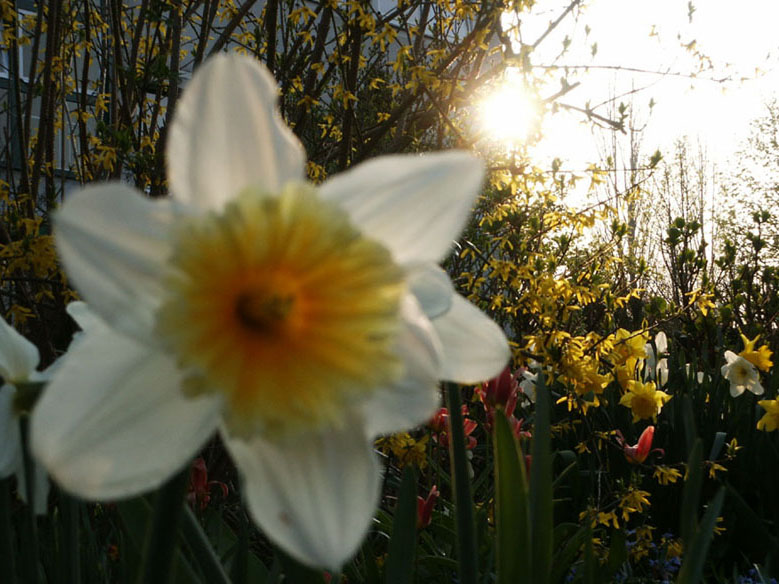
(627, 345)
(406, 449)
(666, 475)
(633, 501)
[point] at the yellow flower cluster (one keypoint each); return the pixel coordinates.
(628, 347)
(633, 501)
(666, 475)
(643, 543)
(406, 449)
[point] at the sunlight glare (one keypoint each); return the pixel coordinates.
(509, 113)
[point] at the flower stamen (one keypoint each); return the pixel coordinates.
(281, 305)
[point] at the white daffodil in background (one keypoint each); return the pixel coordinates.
(741, 374)
(299, 321)
(657, 367)
(19, 360)
(528, 385)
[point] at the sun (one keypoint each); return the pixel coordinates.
(509, 113)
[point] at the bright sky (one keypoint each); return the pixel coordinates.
(740, 38)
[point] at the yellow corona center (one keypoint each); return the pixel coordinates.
(644, 406)
(283, 306)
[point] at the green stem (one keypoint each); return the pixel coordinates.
(461, 484)
(202, 550)
(7, 567)
(162, 532)
(238, 572)
(31, 543)
(70, 508)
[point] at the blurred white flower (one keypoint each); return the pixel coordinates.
(19, 360)
(299, 321)
(741, 374)
(528, 385)
(656, 364)
(699, 376)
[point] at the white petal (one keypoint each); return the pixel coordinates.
(730, 356)
(10, 439)
(113, 422)
(114, 245)
(413, 399)
(662, 371)
(433, 289)
(661, 342)
(736, 390)
(528, 387)
(227, 134)
(313, 496)
(651, 367)
(756, 388)
(18, 356)
(82, 314)
(415, 205)
(475, 348)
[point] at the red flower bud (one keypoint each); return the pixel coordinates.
(638, 453)
(425, 508)
(501, 390)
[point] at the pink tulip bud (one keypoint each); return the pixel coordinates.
(638, 453)
(425, 508)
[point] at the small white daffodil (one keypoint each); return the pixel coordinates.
(741, 374)
(528, 385)
(656, 364)
(299, 321)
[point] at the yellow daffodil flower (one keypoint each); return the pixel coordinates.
(770, 420)
(644, 400)
(760, 358)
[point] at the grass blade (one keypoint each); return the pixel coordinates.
(162, 530)
(400, 561)
(688, 514)
(541, 512)
(461, 484)
(7, 566)
(202, 550)
(511, 507)
(695, 558)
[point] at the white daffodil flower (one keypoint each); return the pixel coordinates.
(528, 385)
(298, 321)
(699, 376)
(741, 374)
(656, 368)
(19, 360)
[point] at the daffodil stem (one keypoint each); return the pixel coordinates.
(71, 565)
(461, 484)
(7, 566)
(31, 545)
(198, 542)
(162, 532)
